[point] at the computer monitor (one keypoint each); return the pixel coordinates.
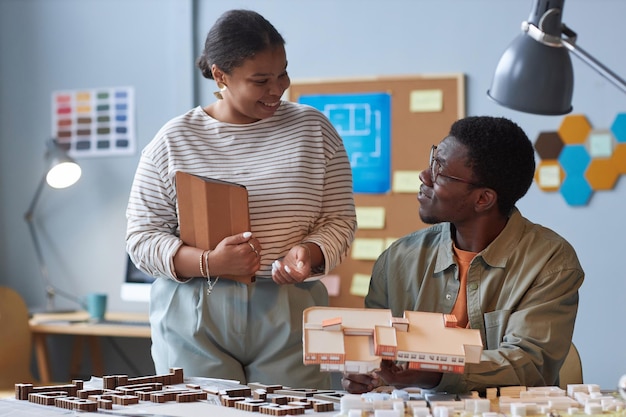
(136, 285)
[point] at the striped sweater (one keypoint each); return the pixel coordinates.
(293, 164)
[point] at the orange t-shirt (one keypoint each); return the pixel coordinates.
(464, 258)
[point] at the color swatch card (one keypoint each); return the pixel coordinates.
(95, 122)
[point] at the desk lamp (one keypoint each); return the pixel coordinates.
(535, 73)
(62, 172)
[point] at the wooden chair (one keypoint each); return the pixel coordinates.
(16, 345)
(572, 369)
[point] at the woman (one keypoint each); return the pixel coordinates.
(296, 170)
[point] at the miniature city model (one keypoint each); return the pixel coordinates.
(122, 391)
(355, 340)
(120, 394)
(580, 400)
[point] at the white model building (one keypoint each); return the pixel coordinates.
(355, 340)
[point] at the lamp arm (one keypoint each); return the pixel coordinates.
(595, 64)
(569, 42)
(51, 291)
(28, 216)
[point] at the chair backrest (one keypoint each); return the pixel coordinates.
(572, 369)
(16, 340)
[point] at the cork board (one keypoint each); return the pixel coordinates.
(422, 108)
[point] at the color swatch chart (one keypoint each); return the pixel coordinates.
(95, 122)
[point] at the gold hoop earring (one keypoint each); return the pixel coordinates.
(218, 94)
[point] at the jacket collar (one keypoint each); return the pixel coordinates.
(495, 254)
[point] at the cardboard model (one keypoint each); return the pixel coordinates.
(356, 340)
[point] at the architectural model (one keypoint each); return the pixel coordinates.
(355, 340)
(122, 395)
(580, 400)
(121, 391)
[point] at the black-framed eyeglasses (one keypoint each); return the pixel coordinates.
(435, 169)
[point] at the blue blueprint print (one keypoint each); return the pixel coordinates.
(363, 122)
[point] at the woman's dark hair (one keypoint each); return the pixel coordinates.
(500, 155)
(236, 36)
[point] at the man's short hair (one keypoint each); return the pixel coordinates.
(500, 155)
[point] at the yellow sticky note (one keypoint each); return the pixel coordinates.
(406, 181)
(426, 101)
(367, 248)
(360, 285)
(600, 144)
(370, 217)
(550, 176)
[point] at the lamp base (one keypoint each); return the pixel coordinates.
(45, 310)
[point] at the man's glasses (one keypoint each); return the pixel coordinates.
(435, 169)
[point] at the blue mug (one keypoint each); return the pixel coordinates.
(96, 306)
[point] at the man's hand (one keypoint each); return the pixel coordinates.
(401, 377)
(390, 373)
(360, 383)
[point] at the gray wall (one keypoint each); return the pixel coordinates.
(48, 45)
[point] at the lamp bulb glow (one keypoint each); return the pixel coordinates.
(63, 175)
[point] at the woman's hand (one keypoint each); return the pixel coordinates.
(236, 256)
(294, 267)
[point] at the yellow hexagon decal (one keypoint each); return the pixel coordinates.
(574, 129)
(601, 174)
(619, 158)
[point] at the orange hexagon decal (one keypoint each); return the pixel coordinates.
(574, 129)
(619, 158)
(601, 174)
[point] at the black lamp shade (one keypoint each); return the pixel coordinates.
(534, 78)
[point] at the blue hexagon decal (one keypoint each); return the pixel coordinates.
(619, 128)
(576, 190)
(574, 159)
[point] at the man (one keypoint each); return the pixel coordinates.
(515, 281)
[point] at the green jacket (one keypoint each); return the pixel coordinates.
(522, 293)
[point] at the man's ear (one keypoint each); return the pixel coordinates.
(487, 199)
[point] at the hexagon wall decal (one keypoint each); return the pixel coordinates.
(576, 190)
(619, 158)
(601, 174)
(574, 159)
(619, 128)
(578, 160)
(574, 129)
(549, 145)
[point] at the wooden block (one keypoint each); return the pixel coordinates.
(323, 406)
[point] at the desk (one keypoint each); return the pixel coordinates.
(78, 324)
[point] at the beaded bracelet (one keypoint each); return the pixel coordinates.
(202, 274)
